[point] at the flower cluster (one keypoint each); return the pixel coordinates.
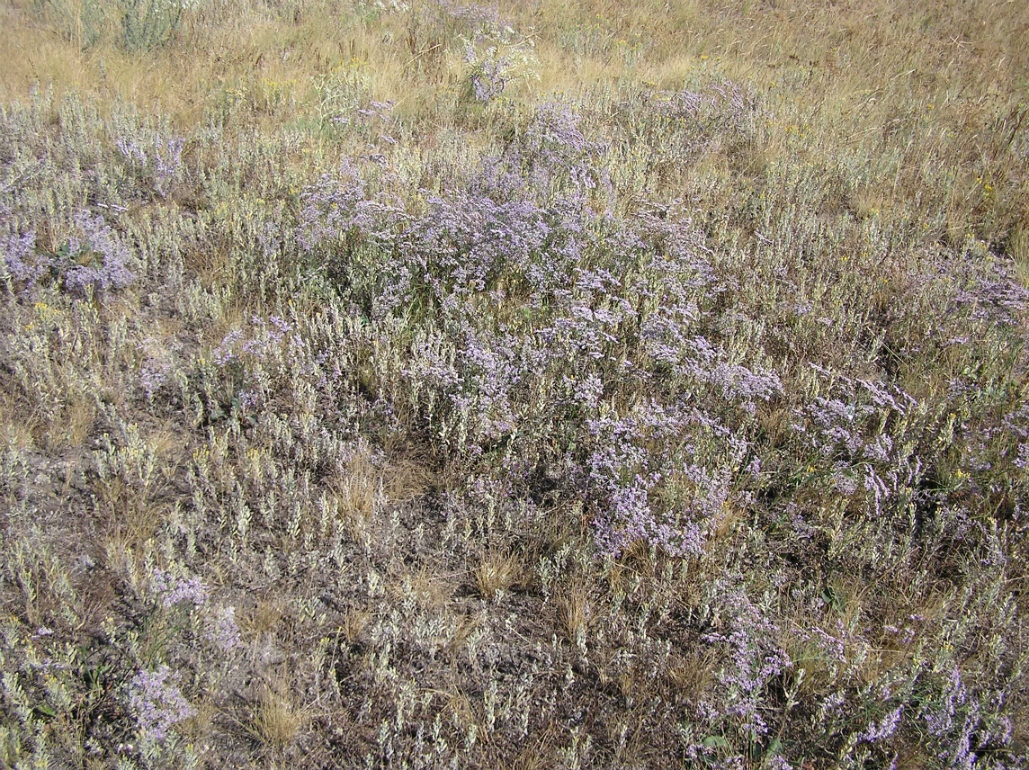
(222, 631)
(20, 258)
(157, 703)
(755, 662)
(92, 259)
(171, 590)
(160, 160)
(489, 73)
(478, 20)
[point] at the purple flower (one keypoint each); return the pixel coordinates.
(157, 703)
(96, 258)
(1022, 460)
(23, 263)
(884, 728)
(490, 73)
(160, 160)
(153, 375)
(222, 631)
(172, 590)
(480, 20)
(756, 657)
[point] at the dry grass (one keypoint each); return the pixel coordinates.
(496, 573)
(573, 615)
(360, 492)
(277, 721)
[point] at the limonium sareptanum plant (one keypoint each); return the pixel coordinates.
(620, 427)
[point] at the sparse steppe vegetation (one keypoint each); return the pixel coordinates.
(560, 385)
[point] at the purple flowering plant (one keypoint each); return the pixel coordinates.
(157, 703)
(158, 161)
(638, 424)
(93, 259)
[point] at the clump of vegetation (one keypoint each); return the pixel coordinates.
(426, 384)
